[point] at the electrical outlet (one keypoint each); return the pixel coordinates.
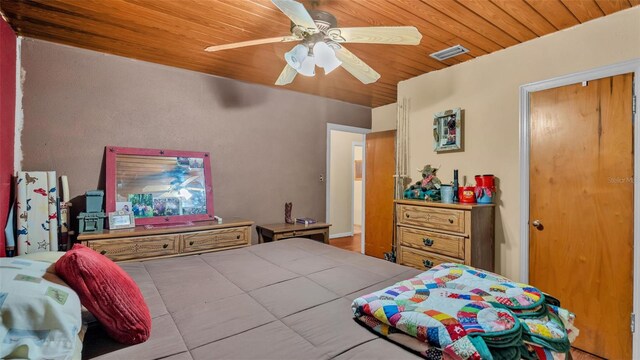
(321, 177)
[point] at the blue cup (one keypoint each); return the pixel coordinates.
(446, 194)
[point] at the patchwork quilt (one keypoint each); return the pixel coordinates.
(459, 312)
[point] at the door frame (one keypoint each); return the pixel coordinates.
(631, 66)
(351, 129)
(354, 144)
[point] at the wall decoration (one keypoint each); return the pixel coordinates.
(448, 131)
(357, 172)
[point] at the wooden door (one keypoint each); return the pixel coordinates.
(380, 160)
(581, 192)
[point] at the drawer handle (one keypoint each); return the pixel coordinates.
(450, 221)
(190, 243)
(427, 263)
(407, 215)
(238, 237)
(427, 242)
(164, 246)
(103, 252)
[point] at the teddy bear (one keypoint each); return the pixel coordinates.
(428, 188)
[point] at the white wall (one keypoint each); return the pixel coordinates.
(341, 181)
(487, 88)
(383, 118)
(357, 190)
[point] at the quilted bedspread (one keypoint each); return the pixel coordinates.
(455, 311)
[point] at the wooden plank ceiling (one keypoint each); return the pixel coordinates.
(175, 33)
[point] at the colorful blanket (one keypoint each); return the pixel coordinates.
(459, 312)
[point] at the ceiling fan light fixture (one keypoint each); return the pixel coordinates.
(325, 57)
(308, 67)
(296, 56)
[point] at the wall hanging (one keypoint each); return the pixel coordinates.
(447, 131)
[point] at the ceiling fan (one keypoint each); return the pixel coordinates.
(322, 43)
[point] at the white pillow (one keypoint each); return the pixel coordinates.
(40, 313)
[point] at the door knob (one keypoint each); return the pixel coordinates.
(537, 224)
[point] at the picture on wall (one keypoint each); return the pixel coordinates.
(447, 131)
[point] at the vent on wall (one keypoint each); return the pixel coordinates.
(449, 53)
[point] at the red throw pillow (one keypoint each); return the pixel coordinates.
(108, 292)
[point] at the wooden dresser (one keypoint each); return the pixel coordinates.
(140, 243)
(430, 233)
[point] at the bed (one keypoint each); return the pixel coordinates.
(289, 299)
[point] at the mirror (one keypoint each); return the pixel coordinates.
(159, 186)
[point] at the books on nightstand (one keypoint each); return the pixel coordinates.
(305, 221)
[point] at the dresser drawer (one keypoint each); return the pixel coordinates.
(422, 260)
(136, 247)
(432, 241)
(214, 239)
(299, 233)
(434, 218)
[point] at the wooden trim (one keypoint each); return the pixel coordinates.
(335, 236)
(632, 65)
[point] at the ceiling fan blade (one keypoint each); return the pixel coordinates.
(356, 67)
(399, 35)
(297, 13)
(252, 42)
(287, 75)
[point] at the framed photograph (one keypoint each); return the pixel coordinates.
(357, 172)
(448, 131)
(121, 220)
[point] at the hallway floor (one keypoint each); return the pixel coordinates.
(351, 243)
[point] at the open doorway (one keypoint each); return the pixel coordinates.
(345, 183)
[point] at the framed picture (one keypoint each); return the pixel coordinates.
(121, 220)
(447, 131)
(357, 172)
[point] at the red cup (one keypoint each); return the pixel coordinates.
(467, 194)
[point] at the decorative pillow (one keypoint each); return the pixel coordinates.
(108, 293)
(40, 313)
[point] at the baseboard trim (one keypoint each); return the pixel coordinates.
(340, 235)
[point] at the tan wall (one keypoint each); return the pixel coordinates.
(341, 197)
(487, 88)
(383, 118)
(357, 190)
(267, 145)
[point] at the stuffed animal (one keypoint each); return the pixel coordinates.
(428, 188)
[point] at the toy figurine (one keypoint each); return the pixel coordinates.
(428, 188)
